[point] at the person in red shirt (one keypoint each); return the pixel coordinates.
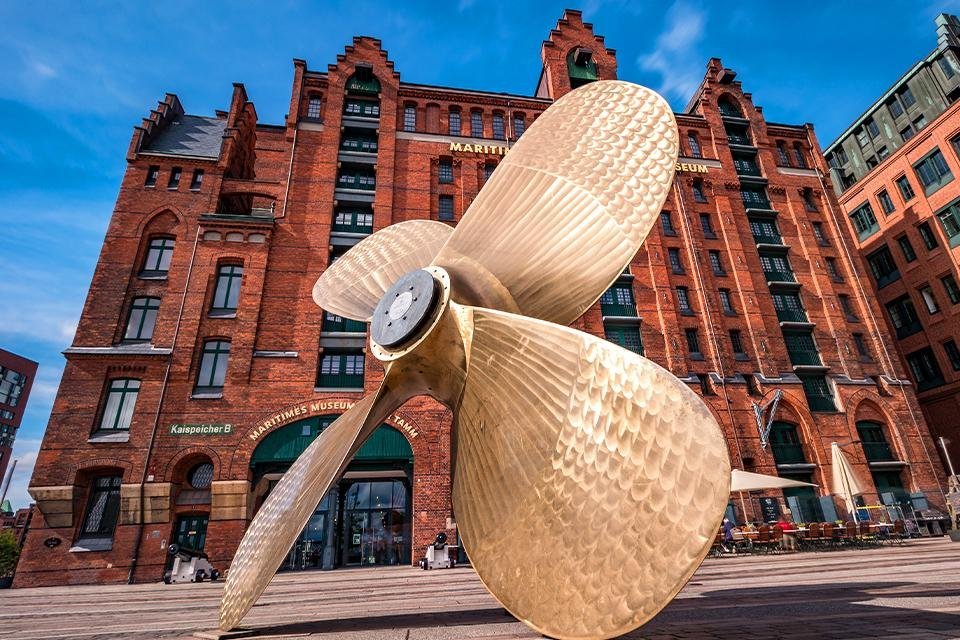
(789, 539)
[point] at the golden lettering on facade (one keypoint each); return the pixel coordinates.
(684, 167)
(486, 149)
(311, 409)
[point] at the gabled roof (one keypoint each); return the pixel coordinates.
(195, 136)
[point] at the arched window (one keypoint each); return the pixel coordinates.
(410, 117)
(581, 67)
(499, 132)
(785, 443)
(694, 143)
(874, 442)
(519, 125)
(476, 123)
(314, 107)
(363, 91)
(798, 154)
(729, 108)
(783, 159)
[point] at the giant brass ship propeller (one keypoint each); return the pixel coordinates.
(609, 473)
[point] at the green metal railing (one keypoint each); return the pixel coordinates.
(614, 309)
(804, 357)
(792, 315)
(344, 325)
(768, 238)
(788, 453)
(779, 276)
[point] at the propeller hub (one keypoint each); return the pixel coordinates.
(404, 309)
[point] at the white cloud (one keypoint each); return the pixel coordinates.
(675, 57)
(43, 70)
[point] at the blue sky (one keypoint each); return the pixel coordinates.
(77, 77)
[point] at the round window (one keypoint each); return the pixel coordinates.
(201, 476)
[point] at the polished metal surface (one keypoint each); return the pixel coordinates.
(352, 288)
(588, 481)
(404, 309)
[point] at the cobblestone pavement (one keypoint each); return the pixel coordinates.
(905, 592)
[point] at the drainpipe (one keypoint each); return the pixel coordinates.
(156, 416)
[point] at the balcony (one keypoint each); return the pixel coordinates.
(618, 310)
(909, 329)
(768, 238)
(361, 182)
(340, 381)
(878, 452)
(351, 225)
(788, 454)
(792, 315)
(337, 324)
(739, 139)
(805, 357)
(779, 276)
(757, 203)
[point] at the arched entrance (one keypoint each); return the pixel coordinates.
(363, 520)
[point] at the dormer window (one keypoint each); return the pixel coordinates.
(581, 67)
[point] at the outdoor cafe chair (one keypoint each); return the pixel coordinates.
(813, 534)
(867, 536)
(851, 533)
(763, 541)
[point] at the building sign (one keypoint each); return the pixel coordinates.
(323, 407)
(489, 149)
(212, 429)
(684, 167)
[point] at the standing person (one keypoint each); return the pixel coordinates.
(727, 528)
(789, 539)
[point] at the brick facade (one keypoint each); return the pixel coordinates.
(268, 200)
(16, 380)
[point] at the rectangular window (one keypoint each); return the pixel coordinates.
(197, 180)
(454, 125)
(213, 366)
(933, 172)
(950, 222)
(498, 130)
(883, 153)
(707, 226)
(906, 248)
(817, 390)
(227, 292)
(737, 343)
(695, 150)
(174, 182)
(313, 108)
(789, 307)
(11, 386)
(808, 202)
(895, 108)
(765, 232)
(832, 270)
(142, 319)
(950, 286)
(872, 128)
(925, 369)
(361, 108)
(103, 509)
(861, 345)
(864, 221)
(906, 96)
(726, 302)
(886, 202)
(716, 264)
(776, 268)
(953, 354)
(445, 209)
(353, 221)
(906, 191)
(683, 301)
(907, 132)
(754, 197)
(159, 253)
(698, 194)
(920, 122)
(445, 171)
(410, 118)
(929, 300)
(341, 369)
(798, 154)
(862, 138)
(847, 307)
(946, 67)
(926, 234)
(819, 235)
(675, 264)
(117, 412)
(488, 169)
(153, 172)
(618, 301)
(903, 316)
(476, 124)
(519, 126)
(693, 343)
(783, 160)
(627, 336)
(884, 268)
(666, 222)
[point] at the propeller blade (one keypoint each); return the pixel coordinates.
(289, 506)
(353, 285)
(569, 206)
(588, 481)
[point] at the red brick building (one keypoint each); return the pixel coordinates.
(201, 367)
(16, 380)
(904, 218)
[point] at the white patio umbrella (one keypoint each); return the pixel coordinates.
(845, 480)
(741, 481)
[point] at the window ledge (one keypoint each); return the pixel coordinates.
(110, 436)
(206, 395)
(92, 544)
(223, 313)
(741, 356)
(152, 275)
(338, 389)
(697, 355)
(730, 314)
(720, 274)
(687, 312)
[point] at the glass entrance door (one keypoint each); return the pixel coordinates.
(307, 550)
(376, 523)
